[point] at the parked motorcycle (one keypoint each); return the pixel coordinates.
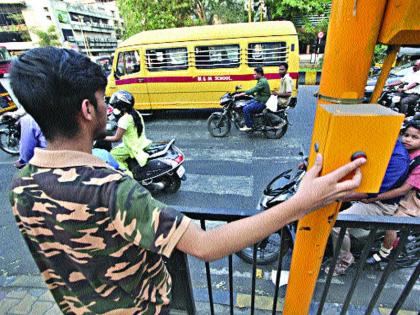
(272, 124)
(164, 170)
(10, 132)
(281, 188)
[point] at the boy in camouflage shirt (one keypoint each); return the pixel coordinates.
(97, 236)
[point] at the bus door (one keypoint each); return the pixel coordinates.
(168, 77)
(129, 76)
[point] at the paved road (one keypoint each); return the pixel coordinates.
(224, 173)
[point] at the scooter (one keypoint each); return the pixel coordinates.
(281, 188)
(164, 170)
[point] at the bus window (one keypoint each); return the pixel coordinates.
(4, 61)
(128, 63)
(220, 56)
(4, 54)
(132, 62)
(167, 59)
(266, 54)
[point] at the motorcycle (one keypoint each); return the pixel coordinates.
(272, 124)
(164, 170)
(391, 98)
(281, 188)
(284, 186)
(10, 132)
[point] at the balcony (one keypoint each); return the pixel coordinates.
(89, 11)
(92, 27)
(323, 300)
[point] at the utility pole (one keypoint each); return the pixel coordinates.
(249, 11)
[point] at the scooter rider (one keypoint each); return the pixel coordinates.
(130, 129)
(261, 92)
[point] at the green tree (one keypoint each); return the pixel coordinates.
(291, 9)
(219, 11)
(379, 54)
(140, 15)
(48, 38)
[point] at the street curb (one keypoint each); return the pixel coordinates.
(309, 78)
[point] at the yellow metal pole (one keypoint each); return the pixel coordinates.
(386, 68)
(352, 34)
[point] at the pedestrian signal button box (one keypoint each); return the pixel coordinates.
(349, 129)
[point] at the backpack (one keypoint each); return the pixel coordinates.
(413, 164)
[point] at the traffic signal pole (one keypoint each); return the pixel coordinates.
(352, 35)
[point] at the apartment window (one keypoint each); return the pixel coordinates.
(220, 56)
(128, 63)
(167, 59)
(266, 54)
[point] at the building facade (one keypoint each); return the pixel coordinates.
(89, 27)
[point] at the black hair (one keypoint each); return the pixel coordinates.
(415, 123)
(137, 121)
(51, 84)
(259, 70)
(136, 117)
(284, 64)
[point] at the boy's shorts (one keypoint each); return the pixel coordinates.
(409, 206)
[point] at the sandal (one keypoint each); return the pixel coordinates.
(380, 256)
(341, 266)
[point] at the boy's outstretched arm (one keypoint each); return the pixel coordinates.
(314, 192)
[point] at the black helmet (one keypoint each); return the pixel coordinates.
(122, 100)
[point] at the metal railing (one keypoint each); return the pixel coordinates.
(409, 228)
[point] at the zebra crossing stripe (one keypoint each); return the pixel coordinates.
(219, 185)
(240, 156)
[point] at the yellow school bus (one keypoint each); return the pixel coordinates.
(191, 67)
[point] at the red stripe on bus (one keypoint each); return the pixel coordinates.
(203, 78)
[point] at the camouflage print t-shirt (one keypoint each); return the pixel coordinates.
(96, 235)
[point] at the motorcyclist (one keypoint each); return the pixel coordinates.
(410, 93)
(262, 93)
(130, 129)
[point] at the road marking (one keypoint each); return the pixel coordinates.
(220, 185)
(240, 156)
(179, 122)
(277, 158)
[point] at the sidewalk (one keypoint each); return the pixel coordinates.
(307, 60)
(27, 294)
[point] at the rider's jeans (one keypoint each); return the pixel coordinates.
(251, 108)
(407, 101)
